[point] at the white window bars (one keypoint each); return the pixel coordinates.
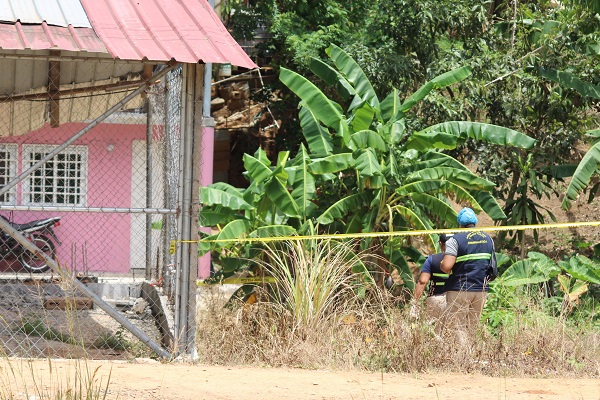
(8, 170)
(62, 180)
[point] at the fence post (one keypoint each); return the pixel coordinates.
(185, 299)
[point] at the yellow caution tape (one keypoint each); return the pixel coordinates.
(240, 281)
(392, 234)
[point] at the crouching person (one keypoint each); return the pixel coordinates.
(431, 273)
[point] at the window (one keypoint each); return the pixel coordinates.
(60, 181)
(8, 170)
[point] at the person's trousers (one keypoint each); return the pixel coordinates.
(463, 312)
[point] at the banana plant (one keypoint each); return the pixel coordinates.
(362, 170)
(266, 208)
(383, 177)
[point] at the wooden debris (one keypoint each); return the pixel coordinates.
(68, 303)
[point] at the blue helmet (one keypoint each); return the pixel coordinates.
(466, 216)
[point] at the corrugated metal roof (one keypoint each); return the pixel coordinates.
(155, 30)
(53, 12)
(18, 36)
(161, 30)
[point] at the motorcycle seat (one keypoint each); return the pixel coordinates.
(36, 223)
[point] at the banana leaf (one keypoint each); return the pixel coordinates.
(210, 196)
(332, 164)
(318, 138)
(414, 254)
(394, 253)
(226, 187)
(369, 139)
(354, 74)
(440, 186)
(390, 107)
(581, 178)
(361, 118)
(273, 231)
(205, 246)
(321, 107)
(594, 133)
(342, 207)
(440, 81)
(218, 216)
(433, 159)
(413, 220)
(489, 204)
(572, 82)
(487, 132)
(282, 198)
(333, 78)
(367, 163)
(464, 178)
(302, 181)
(424, 141)
(435, 206)
(233, 230)
(256, 170)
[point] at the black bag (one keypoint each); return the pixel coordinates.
(492, 270)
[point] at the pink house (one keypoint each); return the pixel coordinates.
(55, 57)
(104, 169)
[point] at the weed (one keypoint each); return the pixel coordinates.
(116, 341)
(37, 327)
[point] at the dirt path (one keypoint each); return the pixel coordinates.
(145, 381)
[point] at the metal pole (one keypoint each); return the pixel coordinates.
(182, 286)
(137, 332)
(197, 158)
(85, 130)
(166, 229)
(149, 189)
(169, 221)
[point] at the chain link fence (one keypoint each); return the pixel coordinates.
(90, 167)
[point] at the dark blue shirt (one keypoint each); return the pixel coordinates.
(438, 278)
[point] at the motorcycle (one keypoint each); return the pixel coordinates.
(39, 232)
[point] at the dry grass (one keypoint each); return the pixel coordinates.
(20, 379)
(375, 333)
(384, 339)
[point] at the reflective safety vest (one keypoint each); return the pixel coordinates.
(474, 255)
(438, 279)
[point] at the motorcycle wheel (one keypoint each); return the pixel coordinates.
(32, 262)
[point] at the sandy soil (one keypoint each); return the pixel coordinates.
(147, 380)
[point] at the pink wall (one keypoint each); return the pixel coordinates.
(104, 236)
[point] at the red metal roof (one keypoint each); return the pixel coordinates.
(161, 30)
(43, 37)
(156, 30)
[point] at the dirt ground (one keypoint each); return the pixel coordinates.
(146, 380)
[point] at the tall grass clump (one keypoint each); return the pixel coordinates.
(314, 279)
(302, 320)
